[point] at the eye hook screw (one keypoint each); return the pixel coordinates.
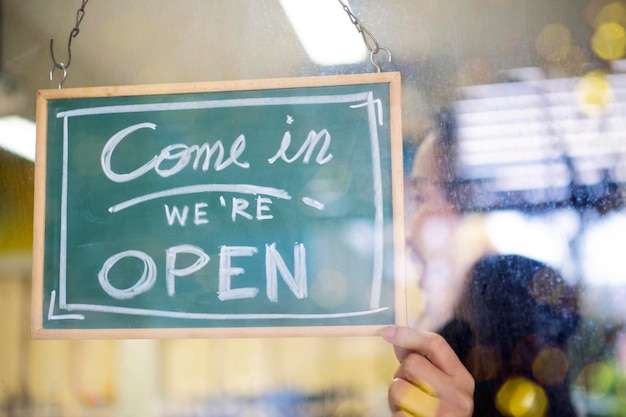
(374, 52)
(60, 65)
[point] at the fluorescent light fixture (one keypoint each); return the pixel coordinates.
(17, 135)
(325, 31)
(602, 251)
(543, 238)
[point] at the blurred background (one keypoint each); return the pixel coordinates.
(539, 88)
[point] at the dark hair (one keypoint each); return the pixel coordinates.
(511, 297)
(513, 308)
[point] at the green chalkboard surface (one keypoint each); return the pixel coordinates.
(248, 208)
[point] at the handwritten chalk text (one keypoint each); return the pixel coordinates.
(180, 153)
(174, 158)
(274, 266)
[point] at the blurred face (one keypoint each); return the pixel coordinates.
(431, 233)
(433, 212)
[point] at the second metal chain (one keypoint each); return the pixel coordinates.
(63, 66)
(370, 41)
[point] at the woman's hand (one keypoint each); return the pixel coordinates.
(431, 381)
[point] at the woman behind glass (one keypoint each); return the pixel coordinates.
(502, 321)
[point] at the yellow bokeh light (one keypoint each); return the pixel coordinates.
(593, 93)
(593, 8)
(546, 287)
(609, 41)
(520, 397)
(550, 366)
(595, 380)
(483, 362)
(620, 388)
(575, 61)
(554, 42)
(614, 12)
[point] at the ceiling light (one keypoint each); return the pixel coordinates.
(17, 135)
(325, 31)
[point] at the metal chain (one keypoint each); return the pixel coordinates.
(370, 41)
(80, 14)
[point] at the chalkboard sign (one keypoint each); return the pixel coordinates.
(247, 208)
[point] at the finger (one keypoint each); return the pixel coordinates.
(431, 345)
(454, 394)
(401, 352)
(405, 397)
(419, 371)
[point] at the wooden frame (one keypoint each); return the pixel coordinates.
(42, 216)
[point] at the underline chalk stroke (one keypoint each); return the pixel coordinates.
(203, 188)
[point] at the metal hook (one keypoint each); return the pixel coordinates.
(61, 66)
(58, 64)
(374, 52)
